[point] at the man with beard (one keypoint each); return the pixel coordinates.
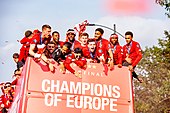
(116, 50)
(103, 50)
(77, 58)
(39, 41)
(132, 54)
(49, 50)
(59, 55)
(56, 39)
(91, 53)
(103, 47)
(70, 37)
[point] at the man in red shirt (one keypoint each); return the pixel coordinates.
(83, 42)
(116, 50)
(56, 39)
(70, 37)
(7, 98)
(91, 54)
(42, 39)
(25, 46)
(131, 54)
(76, 58)
(103, 50)
(103, 47)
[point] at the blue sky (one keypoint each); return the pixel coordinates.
(17, 16)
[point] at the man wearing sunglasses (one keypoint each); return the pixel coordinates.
(7, 98)
(59, 55)
(49, 49)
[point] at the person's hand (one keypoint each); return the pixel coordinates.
(37, 55)
(130, 67)
(62, 68)
(129, 60)
(119, 65)
(111, 65)
(89, 60)
(77, 74)
(51, 67)
(101, 58)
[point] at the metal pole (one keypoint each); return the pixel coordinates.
(114, 26)
(114, 30)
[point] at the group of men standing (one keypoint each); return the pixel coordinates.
(43, 45)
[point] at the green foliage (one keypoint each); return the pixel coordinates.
(153, 96)
(166, 5)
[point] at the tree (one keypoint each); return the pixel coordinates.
(166, 5)
(153, 96)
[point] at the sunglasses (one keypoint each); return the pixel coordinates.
(51, 46)
(6, 86)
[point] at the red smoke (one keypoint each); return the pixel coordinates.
(126, 7)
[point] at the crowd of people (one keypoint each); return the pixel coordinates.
(42, 45)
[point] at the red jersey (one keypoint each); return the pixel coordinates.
(37, 39)
(6, 100)
(24, 51)
(117, 53)
(102, 47)
(83, 48)
(90, 55)
(71, 59)
(132, 51)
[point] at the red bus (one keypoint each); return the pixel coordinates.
(41, 91)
